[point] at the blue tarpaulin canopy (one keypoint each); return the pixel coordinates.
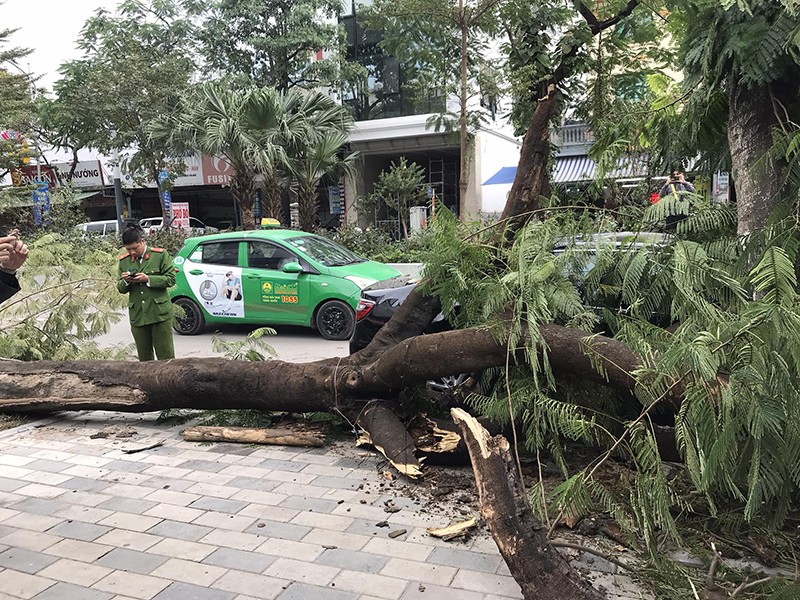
(504, 175)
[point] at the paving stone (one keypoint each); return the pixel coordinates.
(128, 505)
(486, 583)
(290, 549)
(127, 466)
(368, 527)
(171, 512)
(259, 586)
(16, 460)
(78, 573)
(39, 506)
(26, 561)
(324, 537)
(203, 465)
(276, 529)
(85, 484)
(231, 558)
(135, 585)
(243, 471)
(182, 549)
(7, 513)
(464, 559)
(353, 561)
(426, 591)
(177, 529)
(78, 550)
(12, 472)
(302, 591)
(398, 549)
(22, 585)
(281, 465)
(426, 573)
(68, 591)
(121, 520)
(319, 505)
(270, 513)
(134, 540)
(84, 498)
(322, 521)
(189, 572)
(259, 497)
(213, 490)
(219, 505)
(79, 531)
(129, 489)
(48, 479)
(30, 540)
(249, 483)
(228, 449)
(172, 497)
(336, 482)
(185, 591)
(9, 485)
(84, 514)
(131, 560)
(226, 521)
(377, 585)
(302, 490)
(233, 539)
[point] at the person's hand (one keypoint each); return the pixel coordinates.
(680, 178)
(141, 278)
(126, 277)
(13, 252)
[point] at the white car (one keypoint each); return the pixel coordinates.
(197, 227)
(98, 227)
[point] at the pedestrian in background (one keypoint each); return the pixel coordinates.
(145, 273)
(681, 189)
(13, 253)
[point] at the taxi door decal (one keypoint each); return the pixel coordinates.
(219, 290)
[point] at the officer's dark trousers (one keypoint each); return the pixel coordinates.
(158, 337)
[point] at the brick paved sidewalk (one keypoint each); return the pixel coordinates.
(82, 520)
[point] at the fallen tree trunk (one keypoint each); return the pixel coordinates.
(254, 435)
(213, 383)
(539, 569)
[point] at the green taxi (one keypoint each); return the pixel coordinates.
(271, 277)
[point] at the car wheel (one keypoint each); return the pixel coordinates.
(451, 390)
(335, 320)
(192, 321)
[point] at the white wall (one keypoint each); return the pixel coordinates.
(496, 149)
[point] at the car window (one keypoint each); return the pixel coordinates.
(111, 227)
(264, 255)
(195, 222)
(218, 253)
(325, 251)
(95, 227)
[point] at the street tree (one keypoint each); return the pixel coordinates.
(135, 66)
(444, 47)
(285, 44)
(398, 189)
(324, 155)
(16, 106)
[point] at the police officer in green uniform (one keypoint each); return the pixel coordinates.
(145, 273)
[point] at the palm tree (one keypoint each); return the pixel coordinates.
(322, 156)
(237, 125)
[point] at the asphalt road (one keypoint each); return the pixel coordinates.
(293, 344)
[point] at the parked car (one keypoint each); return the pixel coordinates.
(271, 277)
(380, 301)
(196, 226)
(109, 227)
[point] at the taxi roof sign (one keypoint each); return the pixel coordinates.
(268, 223)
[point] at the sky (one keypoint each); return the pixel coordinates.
(49, 28)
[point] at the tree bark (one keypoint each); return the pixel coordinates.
(532, 180)
(541, 572)
(243, 190)
(271, 203)
(464, 161)
(254, 435)
(758, 177)
(212, 383)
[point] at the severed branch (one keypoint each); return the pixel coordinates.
(540, 570)
(254, 435)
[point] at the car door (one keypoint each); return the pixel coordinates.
(214, 277)
(271, 295)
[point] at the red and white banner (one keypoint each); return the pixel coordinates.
(217, 171)
(180, 215)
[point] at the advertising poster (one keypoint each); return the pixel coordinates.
(180, 215)
(219, 290)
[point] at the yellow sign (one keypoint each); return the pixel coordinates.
(266, 287)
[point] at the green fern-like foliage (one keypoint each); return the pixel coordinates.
(715, 316)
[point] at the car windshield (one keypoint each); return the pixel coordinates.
(324, 251)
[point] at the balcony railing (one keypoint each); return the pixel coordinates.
(572, 135)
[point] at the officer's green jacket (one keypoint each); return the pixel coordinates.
(148, 304)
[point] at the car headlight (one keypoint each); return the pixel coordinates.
(361, 282)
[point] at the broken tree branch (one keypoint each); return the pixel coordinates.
(254, 435)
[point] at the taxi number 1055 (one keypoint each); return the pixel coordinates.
(289, 299)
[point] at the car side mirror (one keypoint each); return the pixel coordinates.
(292, 267)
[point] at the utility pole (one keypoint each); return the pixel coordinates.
(118, 190)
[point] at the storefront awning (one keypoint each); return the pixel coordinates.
(574, 169)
